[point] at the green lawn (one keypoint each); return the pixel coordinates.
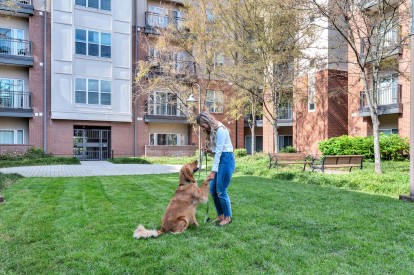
(281, 225)
(30, 161)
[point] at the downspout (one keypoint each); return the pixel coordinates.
(44, 78)
(135, 75)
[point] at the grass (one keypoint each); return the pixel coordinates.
(85, 225)
(7, 179)
(393, 182)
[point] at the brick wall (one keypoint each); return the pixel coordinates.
(36, 77)
(337, 103)
(330, 116)
(176, 151)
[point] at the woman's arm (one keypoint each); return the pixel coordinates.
(220, 138)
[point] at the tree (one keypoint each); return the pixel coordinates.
(372, 31)
(262, 39)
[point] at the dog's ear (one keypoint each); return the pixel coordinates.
(195, 163)
(186, 175)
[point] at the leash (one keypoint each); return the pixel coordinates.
(206, 217)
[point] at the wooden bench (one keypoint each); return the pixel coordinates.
(276, 159)
(349, 161)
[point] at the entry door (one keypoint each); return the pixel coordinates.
(91, 144)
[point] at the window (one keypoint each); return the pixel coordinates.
(163, 104)
(285, 141)
(167, 139)
(11, 93)
(389, 131)
(218, 60)
(214, 101)
(11, 42)
(92, 43)
(95, 4)
(11, 137)
(388, 33)
(157, 17)
(388, 89)
(311, 91)
(92, 91)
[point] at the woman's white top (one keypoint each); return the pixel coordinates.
(223, 144)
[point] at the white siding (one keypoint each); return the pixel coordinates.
(66, 65)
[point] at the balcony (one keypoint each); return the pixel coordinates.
(170, 67)
(15, 104)
(164, 112)
(22, 7)
(154, 22)
(370, 6)
(285, 116)
(16, 52)
(388, 100)
(391, 45)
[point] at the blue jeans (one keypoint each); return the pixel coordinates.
(218, 185)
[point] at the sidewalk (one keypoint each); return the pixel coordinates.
(91, 168)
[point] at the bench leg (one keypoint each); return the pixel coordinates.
(304, 167)
(350, 169)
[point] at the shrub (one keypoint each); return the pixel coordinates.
(240, 152)
(392, 147)
(288, 149)
(35, 152)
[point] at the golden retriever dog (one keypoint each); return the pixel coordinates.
(181, 210)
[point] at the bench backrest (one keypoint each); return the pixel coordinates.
(288, 156)
(351, 159)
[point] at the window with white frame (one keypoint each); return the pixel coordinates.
(96, 4)
(214, 101)
(157, 17)
(311, 91)
(167, 139)
(11, 137)
(218, 60)
(163, 103)
(388, 89)
(92, 91)
(92, 43)
(11, 42)
(12, 93)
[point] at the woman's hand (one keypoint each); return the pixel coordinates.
(211, 175)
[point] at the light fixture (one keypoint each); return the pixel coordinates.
(191, 100)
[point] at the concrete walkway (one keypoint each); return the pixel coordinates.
(91, 168)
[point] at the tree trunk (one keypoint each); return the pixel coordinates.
(275, 137)
(377, 152)
(253, 132)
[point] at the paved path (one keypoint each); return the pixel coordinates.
(91, 168)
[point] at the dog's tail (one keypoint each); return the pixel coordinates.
(141, 232)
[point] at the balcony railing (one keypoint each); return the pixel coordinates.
(384, 96)
(15, 100)
(163, 109)
(165, 66)
(19, 6)
(389, 41)
(285, 113)
(15, 47)
(155, 20)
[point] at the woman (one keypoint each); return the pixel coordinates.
(218, 139)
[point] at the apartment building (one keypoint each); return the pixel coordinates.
(21, 75)
(393, 96)
(161, 122)
(89, 106)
